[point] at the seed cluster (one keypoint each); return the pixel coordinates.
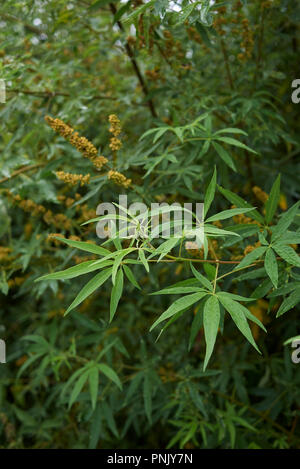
(82, 144)
(89, 151)
(242, 219)
(115, 130)
(73, 179)
(119, 179)
(241, 29)
(260, 194)
(247, 43)
(58, 220)
(5, 254)
(173, 48)
(99, 162)
(154, 74)
(251, 247)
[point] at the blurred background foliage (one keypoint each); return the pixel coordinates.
(152, 64)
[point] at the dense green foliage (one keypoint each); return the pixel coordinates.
(167, 344)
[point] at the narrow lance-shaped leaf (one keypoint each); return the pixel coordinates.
(110, 373)
(78, 387)
(116, 293)
(210, 193)
(89, 288)
(211, 320)
(75, 271)
(271, 266)
(287, 253)
(239, 202)
(238, 316)
(88, 247)
(251, 257)
(292, 300)
(94, 383)
(236, 143)
(130, 276)
(178, 305)
(203, 280)
(143, 259)
(147, 392)
(229, 213)
(272, 202)
(224, 155)
(285, 220)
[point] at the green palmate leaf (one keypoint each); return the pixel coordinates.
(131, 277)
(287, 253)
(285, 221)
(210, 193)
(203, 280)
(239, 202)
(75, 271)
(236, 143)
(251, 257)
(224, 155)
(272, 202)
(237, 313)
(116, 293)
(110, 373)
(89, 288)
(271, 266)
(94, 384)
(211, 320)
(78, 387)
(178, 305)
(289, 302)
(229, 213)
(88, 247)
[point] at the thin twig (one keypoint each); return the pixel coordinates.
(134, 63)
(21, 170)
(228, 71)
